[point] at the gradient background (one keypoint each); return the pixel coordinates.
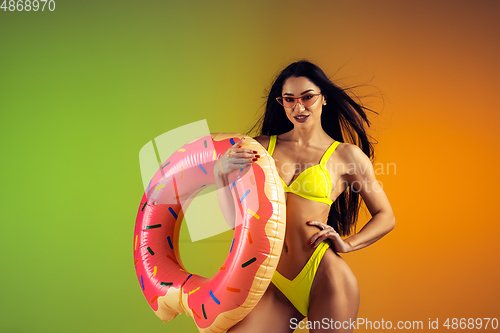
(83, 88)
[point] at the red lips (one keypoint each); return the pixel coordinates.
(301, 120)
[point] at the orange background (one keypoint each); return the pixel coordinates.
(436, 64)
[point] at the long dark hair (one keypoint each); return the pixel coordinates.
(341, 117)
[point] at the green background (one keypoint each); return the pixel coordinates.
(83, 88)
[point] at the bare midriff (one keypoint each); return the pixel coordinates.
(296, 250)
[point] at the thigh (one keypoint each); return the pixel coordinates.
(274, 313)
(334, 299)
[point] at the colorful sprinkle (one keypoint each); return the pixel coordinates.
(197, 316)
(176, 191)
(142, 283)
(231, 246)
(253, 213)
(154, 299)
(136, 261)
(172, 212)
(153, 226)
(248, 262)
(170, 242)
(188, 277)
(205, 143)
(213, 297)
(154, 271)
(234, 183)
(165, 165)
(166, 283)
(223, 268)
(234, 290)
(170, 257)
(249, 237)
(252, 180)
(182, 149)
(199, 164)
(232, 141)
(240, 208)
(192, 291)
(144, 206)
(244, 195)
(215, 155)
(150, 251)
(149, 186)
(135, 244)
(203, 309)
(160, 187)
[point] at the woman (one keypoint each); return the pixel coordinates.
(305, 119)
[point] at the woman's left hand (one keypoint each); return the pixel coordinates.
(327, 232)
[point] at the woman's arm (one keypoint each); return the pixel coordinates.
(361, 175)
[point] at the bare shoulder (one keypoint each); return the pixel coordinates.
(263, 140)
(348, 160)
(351, 163)
(350, 153)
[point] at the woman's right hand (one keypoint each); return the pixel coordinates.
(235, 157)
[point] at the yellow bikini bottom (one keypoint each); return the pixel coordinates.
(297, 290)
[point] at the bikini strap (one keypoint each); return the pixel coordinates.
(329, 152)
(272, 144)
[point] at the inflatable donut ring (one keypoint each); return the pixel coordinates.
(219, 302)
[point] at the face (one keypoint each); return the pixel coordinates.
(300, 115)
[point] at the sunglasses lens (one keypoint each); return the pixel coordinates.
(309, 100)
(289, 102)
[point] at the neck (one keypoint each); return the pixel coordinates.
(306, 136)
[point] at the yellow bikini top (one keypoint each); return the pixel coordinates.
(314, 183)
